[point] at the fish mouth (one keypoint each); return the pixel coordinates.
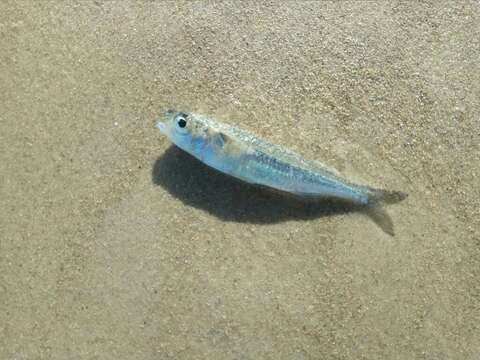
(164, 124)
(162, 127)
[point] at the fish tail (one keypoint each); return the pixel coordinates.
(380, 196)
(375, 211)
(380, 217)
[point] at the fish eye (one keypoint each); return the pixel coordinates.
(182, 122)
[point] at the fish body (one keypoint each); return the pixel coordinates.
(242, 155)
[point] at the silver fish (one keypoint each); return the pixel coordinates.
(242, 155)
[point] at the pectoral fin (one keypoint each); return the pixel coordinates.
(228, 145)
(219, 139)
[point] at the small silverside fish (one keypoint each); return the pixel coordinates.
(242, 155)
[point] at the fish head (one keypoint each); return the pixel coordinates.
(186, 130)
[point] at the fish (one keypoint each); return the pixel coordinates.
(244, 156)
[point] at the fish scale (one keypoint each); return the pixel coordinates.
(300, 181)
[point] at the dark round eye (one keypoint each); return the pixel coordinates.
(182, 123)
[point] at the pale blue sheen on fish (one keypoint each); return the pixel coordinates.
(242, 155)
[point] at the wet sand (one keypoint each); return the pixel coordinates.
(115, 245)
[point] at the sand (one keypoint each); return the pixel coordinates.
(115, 245)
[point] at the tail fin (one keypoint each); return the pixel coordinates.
(377, 213)
(380, 196)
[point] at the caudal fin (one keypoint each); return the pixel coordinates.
(377, 213)
(380, 217)
(380, 196)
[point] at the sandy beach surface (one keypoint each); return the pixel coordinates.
(116, 245)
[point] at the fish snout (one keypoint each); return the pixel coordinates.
(162, 127)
